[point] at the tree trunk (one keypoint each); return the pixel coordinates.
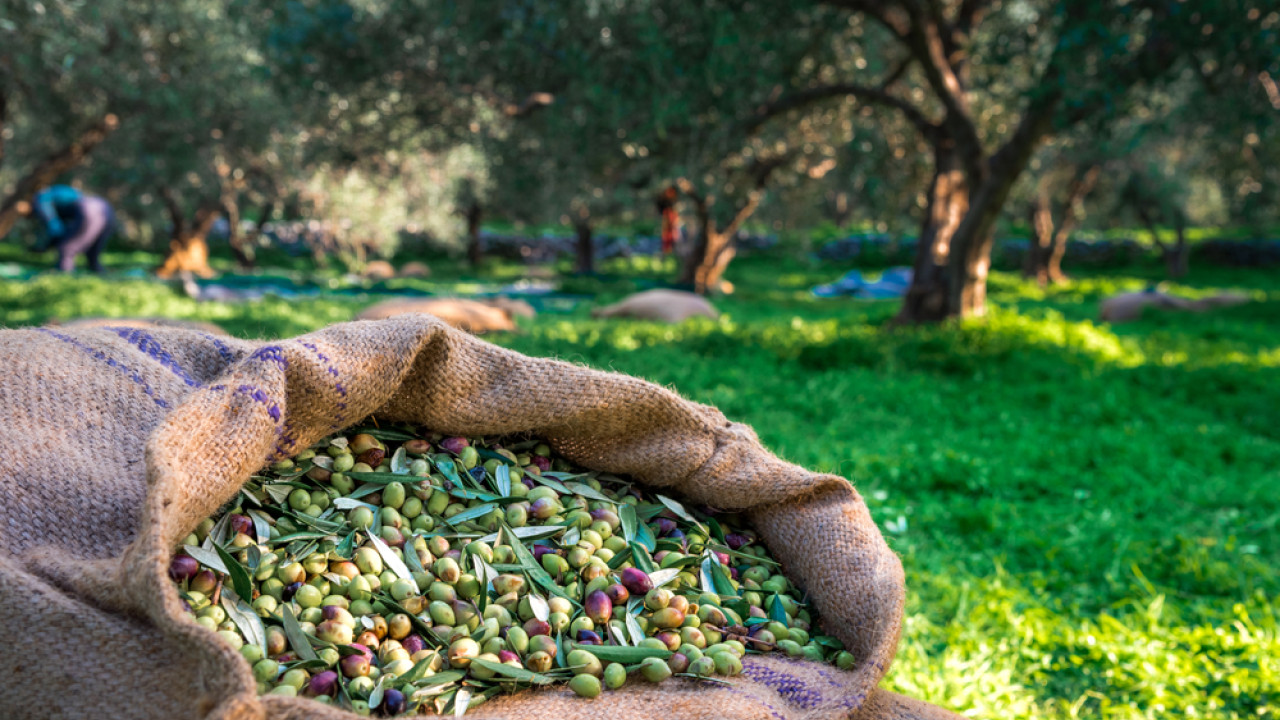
(475, 250)
(48, 170)
(586, 263)
(188, 249)
(698, 254)
(948, 201)
(1178, 258)
(240, 247)
(1039, 250)
(4, 118)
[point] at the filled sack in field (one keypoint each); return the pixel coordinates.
(115, 452)
(138, 322)
(1128, 307)
(1227, 299)
(513, 306)
(670, 306)
(378, 270)
(469, 315)
(415, 269)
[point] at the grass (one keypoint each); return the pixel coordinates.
(1088, 515)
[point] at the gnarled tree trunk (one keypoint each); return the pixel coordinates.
(48, 170)
(475, 246)
(713, 247)
(586, 251)
(188, 248)
(1048, 246)
(947, 203)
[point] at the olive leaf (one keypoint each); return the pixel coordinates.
(261, 525)
(375, 697)
(644, 561)
(244, 618)
(278, 492)
(461, 702)
(678, 509)
(644, 536)
(538, 604)
(380, 434)
(494, 455)
(588, 492)
(663, 576)
(514, 672)
(207, 558)
(627, 513)
(624, 655)
(633, 627)
(551, 482)
(399, 462)
(347, 503)
(471, 513)
(776, 611)
(502, 480)
(717, 532)
(390, 560)
(531, 533)
(293, 632)
(240, 579)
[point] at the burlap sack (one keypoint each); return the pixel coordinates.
(117, 441)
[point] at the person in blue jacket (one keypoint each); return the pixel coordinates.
(77, 223)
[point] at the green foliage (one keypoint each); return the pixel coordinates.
(1086, 513)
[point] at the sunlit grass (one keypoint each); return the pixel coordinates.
(1088, 514)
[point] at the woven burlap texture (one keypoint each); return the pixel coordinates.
(117, 441)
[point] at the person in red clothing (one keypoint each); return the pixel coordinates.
(670, 219)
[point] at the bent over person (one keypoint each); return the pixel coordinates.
(76, 223)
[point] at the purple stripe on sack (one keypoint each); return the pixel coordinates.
(149, 345)
(271, 353)
(791, 688)
(258, 395)
(111, 362)
(223, 349)
(341, 405)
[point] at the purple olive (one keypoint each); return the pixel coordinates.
(636, 581)
(414, 644)
(618, 594)
(736, 540)
(528, 482)
(540, 550)
(543, 508)
(454, 444)
(183, 567)
(664, 526)
(678, 663)
(325, 683)
(393, 702)
(589, 637)
(534, 627)
(544, 464)
(417, 446)
(242, 524)
(598, 607)
(372, 457)
(290, 590)
(354, 666)
(506, 656)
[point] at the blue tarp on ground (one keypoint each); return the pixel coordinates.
(893, 283)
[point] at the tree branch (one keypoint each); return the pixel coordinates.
(865, 93)
(892, 17)
(530, 104)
